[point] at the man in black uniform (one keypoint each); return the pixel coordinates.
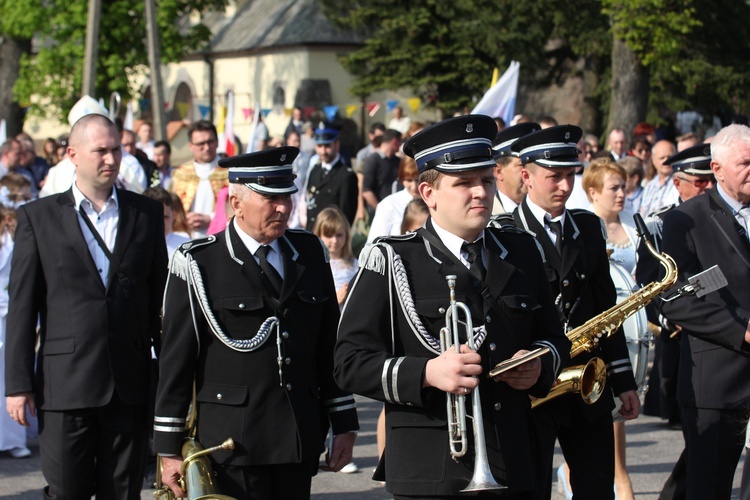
(509, 185)
(251, 315)
(692, 176)
(576, 263)
(331, 182)
(388, 346)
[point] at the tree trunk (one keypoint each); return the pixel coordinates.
(11, 50)
(591, 113)
(630, 87)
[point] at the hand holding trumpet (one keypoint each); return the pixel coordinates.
(454, 372)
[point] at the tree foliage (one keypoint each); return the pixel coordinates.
(55, 73)
(695, 51)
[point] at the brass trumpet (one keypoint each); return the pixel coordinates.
(588, 380)
(481, 479)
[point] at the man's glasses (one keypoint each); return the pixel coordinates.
(209, 142)
(698, 182)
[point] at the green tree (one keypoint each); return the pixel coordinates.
(54, 74)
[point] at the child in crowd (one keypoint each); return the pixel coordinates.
(415, 215)
(173, 239)
(180, 225)
(333, 229)
(15, 190)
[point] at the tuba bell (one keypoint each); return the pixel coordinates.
(196, 474)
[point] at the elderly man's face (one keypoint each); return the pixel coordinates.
(263, 217)
(733, 171)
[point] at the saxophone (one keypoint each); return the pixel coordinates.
(586, 338)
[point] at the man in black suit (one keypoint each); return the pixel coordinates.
(250, 315)
(577, 268)
(330, 182)
(389, 337)
(713, 388)
(89, 264)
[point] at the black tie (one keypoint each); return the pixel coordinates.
(476, 266)
(268, 270)
(556, 227)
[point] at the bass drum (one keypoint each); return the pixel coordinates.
(637, 333)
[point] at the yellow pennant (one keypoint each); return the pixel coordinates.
(350, 109)
(414, 103)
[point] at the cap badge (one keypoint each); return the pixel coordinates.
(469, 128)
(567, 135)
(283, 157)
(707, 151)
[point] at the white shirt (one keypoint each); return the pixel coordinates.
(736, 206)
(542, 216)
(657, 195)
(453, 243)
(389, 214)
(132, 176)
(204, 201)
(274, 257)
(59, 178)
(105, 223)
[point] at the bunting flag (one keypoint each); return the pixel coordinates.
(414, 103)
(331, 112)
(251, 142)
(229, 125)
(246, 112)
(350, 109)
(372, 108)
(3, 132)
(203, 110)
(127, 123)
(265, 112)
(308, 111)
(143, 104)
(500, 100)
(166, 106)
(391, 104)
(288, 111)
(182, 109)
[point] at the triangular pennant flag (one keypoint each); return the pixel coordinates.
(372, 108)
(350, 109)
(331, 112)
(265, 112)
(391, 104)
(414, 103)
(288, 111)
(203, 109)
(182, 109)
(309, 110)
(246, 112)
(3, 132)
(166, 106)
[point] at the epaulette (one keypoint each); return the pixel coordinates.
(374, 260)
(661, 210)
(179, 262)
(395, 237)
(499, 220)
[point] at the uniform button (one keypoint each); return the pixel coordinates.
(241, 306)
(219, 396)
(498, 406)
(583, 276)
(492, 346)
(285, 335)
(288, 387)
(567, 305)
(288, 361)
(441, 310)
(523, 304)
(565, 283)
(488, 319)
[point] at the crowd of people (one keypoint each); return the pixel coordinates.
(261, 291)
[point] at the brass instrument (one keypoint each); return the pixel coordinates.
(587, 336)
(481, 479)
(588, 380)
(196, 474)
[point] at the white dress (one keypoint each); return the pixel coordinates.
(12, 435)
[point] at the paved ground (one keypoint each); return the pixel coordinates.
(652, 450)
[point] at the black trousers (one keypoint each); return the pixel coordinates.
(588, 448)
(714, 440)
(94, 451)
(267, 482)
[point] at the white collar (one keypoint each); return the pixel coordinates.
(79, 198)
(452, 242)
(541, 215)
(251, 243)
(508, 204)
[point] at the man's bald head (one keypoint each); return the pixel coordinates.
(80, 129)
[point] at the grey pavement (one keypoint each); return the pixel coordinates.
(652, 450)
